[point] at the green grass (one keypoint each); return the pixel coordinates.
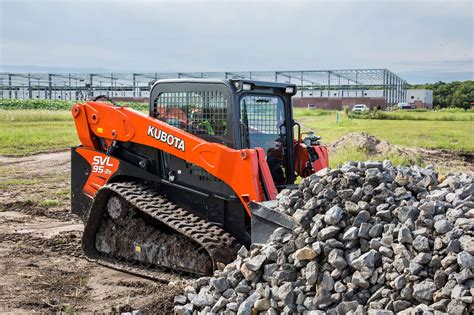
(48, 203)
(27, 115)
(24, 132)
(5, 183)
(418, 115)
(14, 104)
(313, 112)
(434, 134)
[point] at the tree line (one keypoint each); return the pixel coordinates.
(453, 94)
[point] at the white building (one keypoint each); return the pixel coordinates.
(420, 98)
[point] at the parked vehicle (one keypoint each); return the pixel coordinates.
(404, 105)
(360, 108)
(161, 190)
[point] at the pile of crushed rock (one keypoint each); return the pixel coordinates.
(369, 238)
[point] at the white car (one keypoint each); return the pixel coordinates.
(360, 108)
(404, 105)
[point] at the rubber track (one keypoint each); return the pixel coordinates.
(221, 246)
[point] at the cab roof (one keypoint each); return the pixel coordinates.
(228, 82)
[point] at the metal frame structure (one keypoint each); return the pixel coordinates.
(315, 83)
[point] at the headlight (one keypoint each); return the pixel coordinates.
(246, 86)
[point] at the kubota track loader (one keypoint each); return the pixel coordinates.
(184, 186)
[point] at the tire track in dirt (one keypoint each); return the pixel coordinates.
(41, 263)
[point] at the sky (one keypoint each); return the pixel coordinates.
(421, 41)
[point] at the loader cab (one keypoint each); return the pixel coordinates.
(236, 113)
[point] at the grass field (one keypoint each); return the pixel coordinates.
(14, 104)
(24, 132)
(456, 135)
(441, 115)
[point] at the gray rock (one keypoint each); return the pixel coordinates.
(177, 310)
(359, 280)
(440, 278)
(203, 299)
(328, 232)
(287, 274)
(202, 281)
(370, 260)
(243, 252)
(456, 307)
(440, 305)
(339, 287)
(362, 216)
(330, 194)
(465, 260)
(336, 259)
(379, 312)
(228, 293)
(232, 306)
(322, 299)
(351, 207)
(443, 226)
(421, 243)
(405, 213)
(220, 304)
(333, 215)
(465, 191)
(234, 277)
(242, 287)
(376, 230)
(327, 281)
(180, 299)
(364, 230)
(256, 262)
(271, 253)
(423, 291)
(415, 267)
(219, 284)
(346, 307)
(246, 307)
(399, 282)
(400, 305)
(286, 294)
(373, 174)
(467, 243)
(311, 273)
(350, 234)
(301, 216)
(404, 235)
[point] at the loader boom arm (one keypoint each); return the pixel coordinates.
(243, 170)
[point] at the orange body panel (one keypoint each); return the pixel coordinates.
(304, 159)
(238, 168)
(102, 167)
(266, 175)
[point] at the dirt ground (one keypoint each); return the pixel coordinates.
(41, 264)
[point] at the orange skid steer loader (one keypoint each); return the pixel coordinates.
(183, 187)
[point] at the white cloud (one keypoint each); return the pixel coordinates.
(160, 36)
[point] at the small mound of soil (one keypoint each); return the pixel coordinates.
(366, 143)
(445, 160)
